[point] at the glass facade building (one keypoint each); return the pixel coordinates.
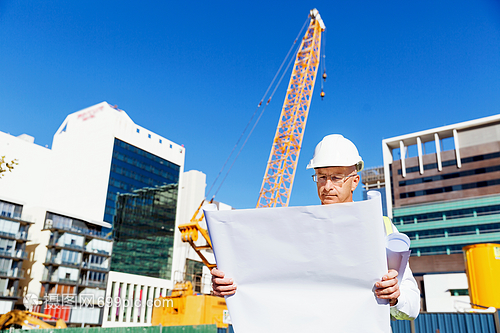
(141, 204)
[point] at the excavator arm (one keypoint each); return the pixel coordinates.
(28, 320)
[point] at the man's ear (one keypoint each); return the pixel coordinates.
(355, 182)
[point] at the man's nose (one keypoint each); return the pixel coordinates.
(328, 184)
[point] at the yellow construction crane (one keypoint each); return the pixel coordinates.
(280, 171)
(189, 309)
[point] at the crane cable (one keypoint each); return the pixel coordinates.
(323, 62)
(255, 112)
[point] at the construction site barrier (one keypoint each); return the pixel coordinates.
(140, 329)
(449, 323)
(425, 323)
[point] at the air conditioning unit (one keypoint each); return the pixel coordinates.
(48, 223)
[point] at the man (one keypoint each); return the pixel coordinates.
(336, 162)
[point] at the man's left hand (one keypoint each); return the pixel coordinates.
(388, 288)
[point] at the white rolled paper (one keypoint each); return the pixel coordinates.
(398, 252)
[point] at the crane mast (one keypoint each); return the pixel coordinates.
(282, 163)
(280, 172)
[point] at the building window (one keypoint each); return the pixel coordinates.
(138, 130)
(447, 189)
(464, 160)
(10, 210)
(447, 176)
(149, 136)
(160, 141)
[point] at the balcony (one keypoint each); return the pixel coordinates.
(7, 293)
(23, 235)
(15, 218)
(98, 252)
(95, 284)
(68, 246)
(54, 279)
(93, 266)
(59, 261)
(13, 273)
(15, 254)
(79, 231)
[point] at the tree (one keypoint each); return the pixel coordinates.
(6, 166)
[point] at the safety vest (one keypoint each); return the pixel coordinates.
(388, 226)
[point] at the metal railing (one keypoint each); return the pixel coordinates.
(20, 235)
(89, 232)
(13, 273)
(103, 267)
(15, 254)
(90, 283)
(62, 244)
(59, 261)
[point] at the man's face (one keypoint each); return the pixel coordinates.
(330, 193)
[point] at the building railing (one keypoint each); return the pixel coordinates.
(70, 281)
(59, 261)
(90, 250)
(8, 293)
(20, 235)
(15, 254)
(103, 267)
(62, 244)
(13, 273)
(90, 283)
(89, 232)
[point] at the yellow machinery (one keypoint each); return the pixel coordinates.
(188, 309)
(482, 262)
(183, 307)
(28, 320)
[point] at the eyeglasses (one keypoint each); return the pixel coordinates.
(335, 179)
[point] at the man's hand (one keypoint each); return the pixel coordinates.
(220, 285)
(388, 288)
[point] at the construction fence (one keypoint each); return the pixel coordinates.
(425, 323)
(449, 323)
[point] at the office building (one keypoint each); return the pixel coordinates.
(103, 204)
(442, 189)
(13, 238)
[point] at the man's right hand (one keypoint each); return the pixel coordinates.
(222, 286)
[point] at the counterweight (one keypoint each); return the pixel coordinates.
(280, 171)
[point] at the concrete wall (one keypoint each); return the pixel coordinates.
(437, 292)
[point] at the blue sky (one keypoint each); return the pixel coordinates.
(195, 73)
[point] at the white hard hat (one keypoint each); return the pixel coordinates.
(335, 150)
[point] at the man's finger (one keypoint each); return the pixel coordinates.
(217, 273)
(387, 283)
(226, 293)
(390, 275)
(225, 288)
(387, 291)
(225, 281)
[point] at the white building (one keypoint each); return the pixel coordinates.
(99, 159)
